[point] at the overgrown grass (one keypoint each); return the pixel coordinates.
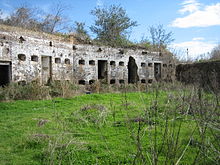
(65, 89)
(172, 126)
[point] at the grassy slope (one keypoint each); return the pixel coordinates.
(88, 129)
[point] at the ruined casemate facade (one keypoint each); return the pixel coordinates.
(27, 56)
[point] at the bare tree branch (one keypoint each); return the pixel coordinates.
(159, 37)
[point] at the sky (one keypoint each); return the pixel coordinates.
(195, 23)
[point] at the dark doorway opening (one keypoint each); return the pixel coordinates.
(112, 81)
(82, 82)
(102, 70)
(157, 71)
(121, 81)
(5, 73)
(46, 63)
(91, 82)
(132, 71)
(143, 81)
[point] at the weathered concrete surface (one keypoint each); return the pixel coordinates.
(39, 57)
(205, 74)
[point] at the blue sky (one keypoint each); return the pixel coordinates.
(195, 23)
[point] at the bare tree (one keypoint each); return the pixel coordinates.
(33, 18)
(22, 17)
(1, 19)
(159, 37)
(215, 54)
(1, 13)
(55, 21)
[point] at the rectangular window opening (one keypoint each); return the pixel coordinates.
(34, 58)
(81, 62)
(57, 60)
(102, 70)
(91, 62)
(121, 63)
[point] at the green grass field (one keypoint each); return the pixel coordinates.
(156, 127)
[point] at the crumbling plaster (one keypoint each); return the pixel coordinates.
(27, 70)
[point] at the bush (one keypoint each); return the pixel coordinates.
(30, 91)
(63, 88)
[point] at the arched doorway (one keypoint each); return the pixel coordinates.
(132, 71)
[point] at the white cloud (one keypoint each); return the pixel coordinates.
(208, 16)
(196, 47)
(99, 3)
(198, 39)
(190, 6)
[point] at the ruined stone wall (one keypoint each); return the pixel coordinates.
(204, 74)
(32, 57)
(26, 57)
(116, 63)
